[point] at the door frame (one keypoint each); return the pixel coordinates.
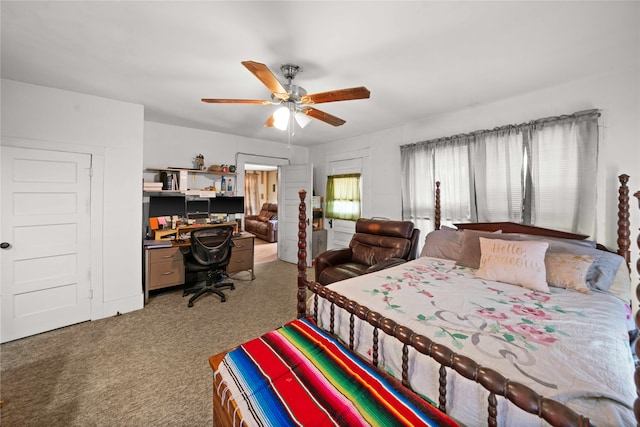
(364, 154)
(243, 158)
(96, 279)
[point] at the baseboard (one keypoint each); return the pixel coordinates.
(117, 307)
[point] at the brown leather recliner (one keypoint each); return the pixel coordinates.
(265, 224)
(376, 245)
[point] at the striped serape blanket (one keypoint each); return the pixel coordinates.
(298, 375)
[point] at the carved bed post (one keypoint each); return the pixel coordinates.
(437, 225)
(302, 255)
(636, 405)
(624, 231)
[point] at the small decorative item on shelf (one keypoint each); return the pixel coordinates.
(224, 168)
(199, 162)
(232, 168)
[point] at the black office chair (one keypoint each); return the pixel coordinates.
(209, 254)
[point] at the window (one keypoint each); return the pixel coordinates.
(542, 173)
(343, 197)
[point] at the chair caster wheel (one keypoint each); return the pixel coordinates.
(223, 300)
(190, 304)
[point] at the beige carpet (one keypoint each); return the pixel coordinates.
(144, 368)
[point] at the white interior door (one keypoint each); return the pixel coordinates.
(291, 179)
(45, 257)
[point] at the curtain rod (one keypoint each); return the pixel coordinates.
(593, 112)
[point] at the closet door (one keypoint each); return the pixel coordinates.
(45, 255)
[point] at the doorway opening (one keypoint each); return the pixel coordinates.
(261, 191)
(260, 187)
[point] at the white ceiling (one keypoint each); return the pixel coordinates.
(418, 58)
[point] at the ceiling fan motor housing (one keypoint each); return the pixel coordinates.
(289, 71)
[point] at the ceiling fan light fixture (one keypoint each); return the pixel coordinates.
(281, 118)
(302, 119)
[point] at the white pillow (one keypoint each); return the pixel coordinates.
(518, 263)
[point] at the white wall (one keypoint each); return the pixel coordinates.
(616, 93)
(112, 131)
(175, 146)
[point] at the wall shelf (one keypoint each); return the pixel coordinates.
(195, 171)
(177, 172)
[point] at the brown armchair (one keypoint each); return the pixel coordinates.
(376, 245)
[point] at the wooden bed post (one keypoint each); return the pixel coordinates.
(624, 231)
(302, 255)
(636, 405)
(437, 225)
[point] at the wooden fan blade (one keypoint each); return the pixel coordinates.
(267, 78)
(321, 115)
(269, 122)
(336, 95)
(237, 101)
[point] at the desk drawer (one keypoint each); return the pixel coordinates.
(242, 245)
(241, 255)
(240, 261)
(164, 255)
(168, 273)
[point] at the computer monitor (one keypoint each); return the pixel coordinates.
(166, 206)
(227, 205)
(197, 206)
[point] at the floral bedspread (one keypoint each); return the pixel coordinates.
(565, 345)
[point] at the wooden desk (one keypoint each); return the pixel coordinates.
(164, 267)
(183, 229)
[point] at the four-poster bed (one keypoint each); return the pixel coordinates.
(358, 327)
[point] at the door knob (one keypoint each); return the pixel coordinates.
(5, 245)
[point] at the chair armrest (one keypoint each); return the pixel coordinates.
(391, 262)
(331, 257)
(250, 217)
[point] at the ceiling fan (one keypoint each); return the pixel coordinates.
(294, 101)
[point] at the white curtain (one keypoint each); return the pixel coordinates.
(563, 172)
(417, 185)
(419, 175)
(541, 173)
(497, 169)
(451, 168)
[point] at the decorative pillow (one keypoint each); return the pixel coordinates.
(515, 262)
(604, 267)
(470, 254)
(263, 218)
(568, 271)
(445, 244)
